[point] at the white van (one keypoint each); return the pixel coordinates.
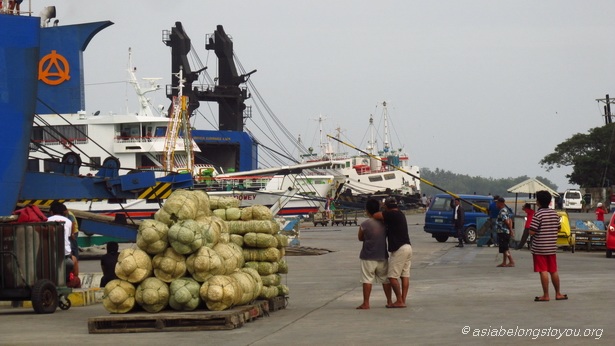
(572, 200)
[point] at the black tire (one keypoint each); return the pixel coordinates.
(64, 302)
(609, 253)
(44, 297)
(470, 235)
(441, 238)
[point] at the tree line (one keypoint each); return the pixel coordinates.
(466, 184)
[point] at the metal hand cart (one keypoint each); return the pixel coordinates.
(32, 265)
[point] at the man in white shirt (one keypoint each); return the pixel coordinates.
(59, 212)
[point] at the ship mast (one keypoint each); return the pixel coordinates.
(325, 145)
(144, 107)
(372, 141)
(387, 145)
(178, 119)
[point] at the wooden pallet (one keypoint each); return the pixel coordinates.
(277, 303)
(175, 321)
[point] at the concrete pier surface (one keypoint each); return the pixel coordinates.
(457, 295)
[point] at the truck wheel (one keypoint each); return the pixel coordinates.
(44, 297)
(609, 253)
(441, 238)
(470, 235)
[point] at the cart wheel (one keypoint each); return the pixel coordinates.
(64, 302)
(44, 297)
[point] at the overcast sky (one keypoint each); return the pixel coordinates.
(484, 88)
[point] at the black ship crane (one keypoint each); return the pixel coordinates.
(227, 92)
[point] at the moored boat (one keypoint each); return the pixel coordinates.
(377, 174)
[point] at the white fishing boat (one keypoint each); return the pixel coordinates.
(379, 173)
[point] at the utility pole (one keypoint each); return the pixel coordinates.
(608, 117)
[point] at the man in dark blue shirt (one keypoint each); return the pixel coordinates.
(400, 249)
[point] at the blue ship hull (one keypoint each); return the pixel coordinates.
(19, 57)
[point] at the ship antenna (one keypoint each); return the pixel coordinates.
(386, 127)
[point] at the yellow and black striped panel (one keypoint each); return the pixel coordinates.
(158, 191)
(47, 202)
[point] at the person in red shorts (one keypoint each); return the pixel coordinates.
(543, 229)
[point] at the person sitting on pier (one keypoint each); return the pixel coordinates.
(108, 262)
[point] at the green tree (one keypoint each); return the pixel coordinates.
(590, 155)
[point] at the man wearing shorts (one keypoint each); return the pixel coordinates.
(400, 251)
(543, 229)
(374, 255)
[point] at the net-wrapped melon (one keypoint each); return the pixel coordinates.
(211, 232)
(221, 223)
(186, 236)
(219, 213)
(216, 202)
(282, 240)
(232, 256)
(204, 263)
(259, 240)
(203, 200)
(184, 294)
(152, 236)
(220, 292)
(119, 296)
(238, 227)
(263, 268)
(268, 292)
(256, 226)
(226, 238)
(247, 285)
(264, 226)
(233, 214)
(256, 278)
(246, 214)
(260, 212)
(271, 280)
(270, 254)
(282, 267)
(236, 238)
(133, 265)
(181, 205)
(152, 295)
(169, 265)
(283, 290)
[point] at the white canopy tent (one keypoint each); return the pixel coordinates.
(530, 186)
